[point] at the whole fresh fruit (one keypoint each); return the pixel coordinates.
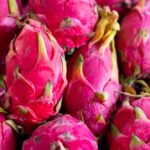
(72, 22)
(64, 133)
(133, 41)
(93, 76)
(35, 75)
(10, 11)
(131, 126)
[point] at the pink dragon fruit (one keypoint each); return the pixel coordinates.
(131, 126)
(65, 133)
(35, 75)
(7, 134)
(72, 22)
(119, 5)
(133, 41)
(93, 76)
(10, 10)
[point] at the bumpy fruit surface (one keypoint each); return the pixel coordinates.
(93, 76)
(64, 133)
(119, 5)
(35, 75)
(72, 22)
(10, 10)
(133, 42)
(131, 126)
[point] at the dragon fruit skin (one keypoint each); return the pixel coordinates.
(35, 75)
(130, 129)
(7, 135)
(119, 5)
(133, 42)
(89, 95)
(64, 132)
(8, 27)
(73, 26)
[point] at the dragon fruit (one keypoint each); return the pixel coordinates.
(131, 126)
(72, 22)
(63, 133)
(7, 134)
(10, 10)
(93, 76)
(133, 42)
(119, 5)
(35, 75)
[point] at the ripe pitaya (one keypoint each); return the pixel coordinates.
(131, 126)
(133, 41)
(35, 75)
(10, 10)
(63, 133)
(72, 22)
(7, 134)
(93, 76)
(119, 5)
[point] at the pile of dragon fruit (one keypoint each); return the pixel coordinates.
(74, 75)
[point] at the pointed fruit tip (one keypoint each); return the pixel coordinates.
(100, 119)
(48, 89)
(58, 106)
(13, 125)
(80, 58)
(78, 67)
(126, 103)
(2, 110)
(13, 8)
(114, 131)
(42, 52)
(135, 142)
(139, 113)
(102, 96)
(16, 72)
(64, 67)
(22, 110)
(137, 70)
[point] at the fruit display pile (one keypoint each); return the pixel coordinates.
(74, 75)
